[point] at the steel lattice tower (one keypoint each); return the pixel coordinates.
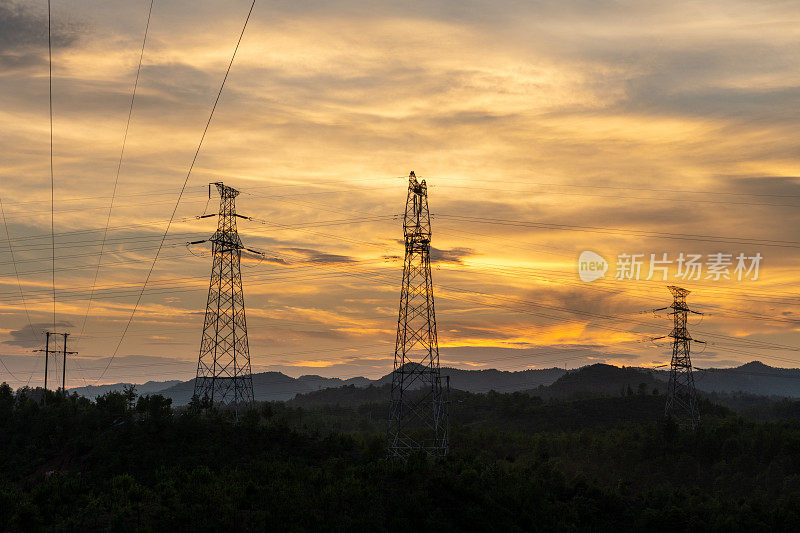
(418, 403)
(681, 393)
(223, 368)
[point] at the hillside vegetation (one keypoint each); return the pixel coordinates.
(516, 462)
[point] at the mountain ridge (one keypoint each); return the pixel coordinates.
(754, 377)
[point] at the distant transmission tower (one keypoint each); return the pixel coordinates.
(681, 393)
(418, 403)
(223, 368)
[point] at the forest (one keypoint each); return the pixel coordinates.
(131, 462)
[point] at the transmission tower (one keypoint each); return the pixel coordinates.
(681, 393)
(418, 403)
(223, 368)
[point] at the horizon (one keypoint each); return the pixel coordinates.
(444, 368)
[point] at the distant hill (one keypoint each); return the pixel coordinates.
(276, 386)
(347, 396)
(151, 387)
(754, 378)
(270, 386)
(599, 379)
(499, 380)
(492, 379)
(751, 378)
(590, 382)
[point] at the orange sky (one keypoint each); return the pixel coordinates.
(615, 127)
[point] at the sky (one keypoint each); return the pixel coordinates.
(543, 130)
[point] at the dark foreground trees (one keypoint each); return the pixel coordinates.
(117, 464)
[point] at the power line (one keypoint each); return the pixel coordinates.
(535, 357)
(562, 280)
(52, 178)
(650, 189)
(119, 168)
(19, 286)
(377, 277)
(84, 199)
(629, 197)
(521, 302)
(755, 344)
(16, 271)
(200, 189)
(302, 352)
(616, 231)
(8, 371)
(183, 188)
(86, 208)
(290, 269)
(27, 238)
(65, 269)
(80, 245)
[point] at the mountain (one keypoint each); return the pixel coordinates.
(492, 379)
(586, 383)
(270, 386)
(754, 378)
(498, 380)
(276, 386)
(594, 382)
(151, 387)
(599, 379)
(751, 378)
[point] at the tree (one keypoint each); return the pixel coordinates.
(197, 404)
(129, 391)
(155, 407)
(113, 402)
(6, 397)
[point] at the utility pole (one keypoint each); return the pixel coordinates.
(64, 366)
(223, 367)
(418, 417)
(54, 350)
(46, 360)
(681, 392)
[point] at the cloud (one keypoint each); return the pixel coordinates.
(23, 35)
(32, 336)
(320, 257)
(251, 257)
(780, 187)
(453, 255)
(328, 334)
(23, 26)
(327, 101)
(13, 62)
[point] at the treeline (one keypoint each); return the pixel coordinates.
(127, 463)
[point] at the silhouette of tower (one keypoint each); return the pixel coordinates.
(418, 402)
(681, 394)
(223, 368)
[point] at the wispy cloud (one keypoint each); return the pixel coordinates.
(618, 121)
